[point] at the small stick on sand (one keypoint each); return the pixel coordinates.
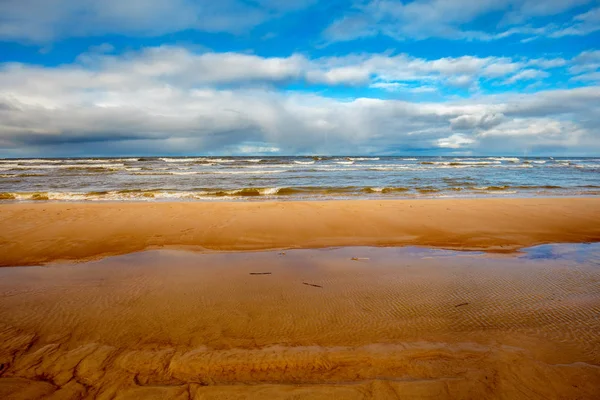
(260, 273)
(461, 304)
(313, 285)
(359, 258)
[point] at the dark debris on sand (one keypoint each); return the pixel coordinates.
(312, 284)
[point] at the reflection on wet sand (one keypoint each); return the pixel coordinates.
(340, 323)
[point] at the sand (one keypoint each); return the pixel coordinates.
(33, 234)
(227, 320)
(398, 323)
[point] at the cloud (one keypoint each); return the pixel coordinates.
(585, 62)
(474, 121)
(589, 77)
(453, 19)
(455, 141)
(171, 101)
(179, 67)
(43, 21)
(582, 24)
(526, 75)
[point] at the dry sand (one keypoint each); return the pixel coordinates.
(32, 234)
(399, 323)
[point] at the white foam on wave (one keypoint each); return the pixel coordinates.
(364, 158)
(31, 161)
(182, 160)
(458, 163)
(512, 166)
(96, 160)
(62, 166)
(392, 167)
(269, 191)
(345, 162)
(510, 159)
(327, 169)
(382, 169)
(478, 162)
(245, 172)
(304, 162)
(221, 160)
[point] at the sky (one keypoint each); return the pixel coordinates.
(299, 77)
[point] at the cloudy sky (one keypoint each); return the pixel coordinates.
(237, 77)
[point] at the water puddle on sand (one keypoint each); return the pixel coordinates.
(356, 322)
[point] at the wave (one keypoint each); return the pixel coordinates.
(509, 159)
(31, 161)
(492, 188)
(246, 172)
(385, 190)
(232, 172)
(62, 166)
(364, 158)
(304, 162)
(428, 190)
(183, 160)
(298, 192)
(460, 163)
(203, 160)
(540, 162)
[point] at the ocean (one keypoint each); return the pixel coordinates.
(294, 178)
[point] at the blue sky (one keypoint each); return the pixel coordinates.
(236, 77)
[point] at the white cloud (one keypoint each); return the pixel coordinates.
(547, 63)
(178, 67)
(586, 61)
(169, 100)
(589, 77)
(526, 75)
(582, 24)
(421, 19)
(455, 141)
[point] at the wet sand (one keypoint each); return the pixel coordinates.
(392, 323)
(32, 234)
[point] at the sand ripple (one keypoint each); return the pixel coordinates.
(393, 323)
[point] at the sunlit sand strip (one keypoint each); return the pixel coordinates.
(32, 234)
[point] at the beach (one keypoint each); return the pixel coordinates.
(360, 299)
(36, 233)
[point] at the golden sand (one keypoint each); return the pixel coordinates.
(32, 234)
(351, 323)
